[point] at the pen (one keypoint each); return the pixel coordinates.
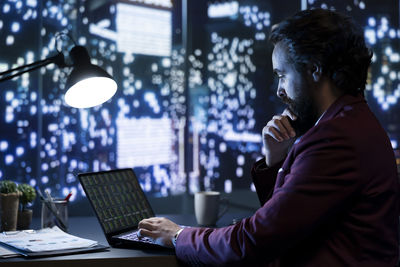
(54, 212)
(50, 200)
(67, 197)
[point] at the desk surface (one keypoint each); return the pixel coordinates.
(88, 227)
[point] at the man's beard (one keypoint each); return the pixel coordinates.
(304, 108)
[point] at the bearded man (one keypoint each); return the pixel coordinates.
(328, 184)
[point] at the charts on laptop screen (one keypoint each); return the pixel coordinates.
(117, 199)
(177, 134)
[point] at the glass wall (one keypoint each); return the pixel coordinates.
(195, 89)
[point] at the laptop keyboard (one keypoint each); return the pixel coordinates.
(134, 237)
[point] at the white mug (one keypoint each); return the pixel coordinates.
(206, 207)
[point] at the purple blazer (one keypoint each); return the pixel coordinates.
(334, 201)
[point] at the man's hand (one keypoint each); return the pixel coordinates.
(278, 136)
(161, 230)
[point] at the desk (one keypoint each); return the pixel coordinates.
(88, 227)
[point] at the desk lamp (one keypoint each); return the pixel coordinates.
(87, 85)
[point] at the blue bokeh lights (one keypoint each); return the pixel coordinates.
(45, 143)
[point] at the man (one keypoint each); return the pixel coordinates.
(328, 184)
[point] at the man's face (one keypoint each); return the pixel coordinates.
(294, 90)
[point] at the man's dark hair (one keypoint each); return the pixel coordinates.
(332, 41)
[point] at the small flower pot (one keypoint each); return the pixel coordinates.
(9, 208)
(24, 219)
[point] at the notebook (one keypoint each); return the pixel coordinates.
(120, 204)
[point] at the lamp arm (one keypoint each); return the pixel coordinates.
(57, 59)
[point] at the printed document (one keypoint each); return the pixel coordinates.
(47, 239)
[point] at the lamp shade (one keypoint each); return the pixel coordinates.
(87, 85)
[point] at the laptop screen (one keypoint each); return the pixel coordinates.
(117, 198)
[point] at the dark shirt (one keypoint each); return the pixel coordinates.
(334, 201)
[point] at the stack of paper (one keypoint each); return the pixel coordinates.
(47, 239)
(6, 253)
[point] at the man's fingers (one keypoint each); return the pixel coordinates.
(285, 122)
(146, 224)
(290, 114)
(282, 128)
(271, 131)
(145, 233)
(282, 125)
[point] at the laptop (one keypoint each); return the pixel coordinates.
(120, 204)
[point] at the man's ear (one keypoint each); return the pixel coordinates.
(315, 71)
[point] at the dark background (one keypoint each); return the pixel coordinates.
(217, 92)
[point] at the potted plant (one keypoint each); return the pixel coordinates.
(28, 195)
(9, 205)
